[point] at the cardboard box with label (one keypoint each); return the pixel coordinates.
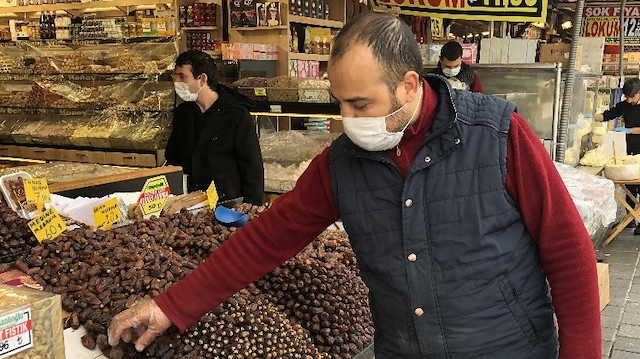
(559, 53)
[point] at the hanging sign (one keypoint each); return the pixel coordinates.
(487, 10)
(437, 27)
(603, 20)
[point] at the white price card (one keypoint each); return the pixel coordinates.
(16, 332)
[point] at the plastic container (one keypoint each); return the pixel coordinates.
(16, 197)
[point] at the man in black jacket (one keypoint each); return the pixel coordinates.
(213, 135)
(451, 66)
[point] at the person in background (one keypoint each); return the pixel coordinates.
(458, 217)
(457, 71)
(629, 110)
(213, 135)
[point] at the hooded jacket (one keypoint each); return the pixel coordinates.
(220, 145)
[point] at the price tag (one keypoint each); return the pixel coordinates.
(36, 190)
(260, 91)
(212, 195)
(106, 214)
(16, 332)
(154, 196)
(47, 226)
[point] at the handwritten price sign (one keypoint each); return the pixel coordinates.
(36, 190)
(106, 214)
(47, 226)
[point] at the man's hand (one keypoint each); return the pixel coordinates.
(146, 318)
(622, 129)
(599, 117)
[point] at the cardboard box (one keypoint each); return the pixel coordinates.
(559, 53)
(603, 283)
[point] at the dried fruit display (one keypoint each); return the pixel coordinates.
(15, 237)
(314, 306)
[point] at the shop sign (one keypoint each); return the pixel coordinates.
(437, 27)
(212, 195)
(106, 214)
(488, 10)
(47, 226)
(16, 333)
(36, 190)
(154, 195)
(603, 20)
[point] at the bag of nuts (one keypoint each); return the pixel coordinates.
(30, 323)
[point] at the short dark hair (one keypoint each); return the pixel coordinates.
(452, 50)
(201, 63)
(631, 87)
(390, 40)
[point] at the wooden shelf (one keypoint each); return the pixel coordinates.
(80, 5)
(259, 28)
(308, 57)
(201, 28)
(315, 22)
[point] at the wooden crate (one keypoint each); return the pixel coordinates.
(603, 283)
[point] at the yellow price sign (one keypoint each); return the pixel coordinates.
(47, 226)
(260, 91)
(36, 190)
(212, 195)
(154, 195)
(106, 214)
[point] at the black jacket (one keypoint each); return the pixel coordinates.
(631, 115)
(466, 75)
(221, 145)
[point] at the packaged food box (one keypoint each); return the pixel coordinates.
(30, 324)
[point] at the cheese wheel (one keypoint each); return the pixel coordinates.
(622, 172)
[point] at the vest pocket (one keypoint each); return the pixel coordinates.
(519, 314)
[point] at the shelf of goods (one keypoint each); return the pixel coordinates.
(69, 6)
(316, 21)
(103, 103)
(315, 305)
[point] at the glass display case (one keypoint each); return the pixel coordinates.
(112, 96)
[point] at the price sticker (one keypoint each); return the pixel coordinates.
(106, 214)
(260, 91)
(154, 195)
(47, 226)
(212, 195)
(36, 190)
(16, 332)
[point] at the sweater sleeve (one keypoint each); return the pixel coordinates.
(614, 112)
(565, 248)
(295, 219)
(171, 154)
(249, 159)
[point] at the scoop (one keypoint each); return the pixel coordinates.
(230, 217)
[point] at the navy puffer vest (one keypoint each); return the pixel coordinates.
(452, 271)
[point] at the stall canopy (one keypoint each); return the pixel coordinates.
(488, 10)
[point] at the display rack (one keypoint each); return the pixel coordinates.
(275, 35)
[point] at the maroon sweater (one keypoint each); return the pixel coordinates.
(297, 217)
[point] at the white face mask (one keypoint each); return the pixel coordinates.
(451, 72)
(370, 133)
(182, 90)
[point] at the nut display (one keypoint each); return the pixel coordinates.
(46, 320)
(283, 89)
(313, 306)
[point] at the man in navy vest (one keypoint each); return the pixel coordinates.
(456, 213)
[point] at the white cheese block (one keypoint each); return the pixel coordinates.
(622, 172)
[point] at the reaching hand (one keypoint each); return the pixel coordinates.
(622, 129)
(146, 318)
